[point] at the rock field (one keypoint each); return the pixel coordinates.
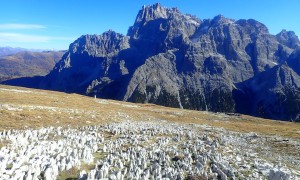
(143, 150)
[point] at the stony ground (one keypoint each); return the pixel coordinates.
(50, 135)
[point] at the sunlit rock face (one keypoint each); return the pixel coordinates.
(178, 60)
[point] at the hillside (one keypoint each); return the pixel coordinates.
(28, 64)
(5, 51)
(227, 145)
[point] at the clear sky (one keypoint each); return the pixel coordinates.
(54, 24)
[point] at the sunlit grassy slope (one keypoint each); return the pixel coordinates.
(30, 108)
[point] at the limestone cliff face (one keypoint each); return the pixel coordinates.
(88, 58)
(178, 60)
(273, 94)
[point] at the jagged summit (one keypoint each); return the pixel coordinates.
(151, 12)
(288, 38)
(99, 45)
(155, 11)
(156, 18)
(220, 19)
(259, 27)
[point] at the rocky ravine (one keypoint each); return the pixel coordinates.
(178, 60)
(142, 150)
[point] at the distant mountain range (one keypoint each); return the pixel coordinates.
(178, 60)
(5, 51)
(27, 64)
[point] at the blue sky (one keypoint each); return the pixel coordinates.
(54, 24)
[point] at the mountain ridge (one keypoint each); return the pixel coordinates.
(178, 60)
(28, 64)
(5, 51)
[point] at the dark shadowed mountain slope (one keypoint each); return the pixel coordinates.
(88, 58)
(274, 94)
(178, 60)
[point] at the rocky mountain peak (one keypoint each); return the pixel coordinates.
(288, 38)
(151, 12)
(99, 45)
(159, 27)
(251, 24)
(156, 11)
(220, 19)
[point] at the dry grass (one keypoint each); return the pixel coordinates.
(195, 177)
(4, 143)
(69, 174)
(78, 110)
